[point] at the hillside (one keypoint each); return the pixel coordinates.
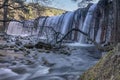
(36, 10)
(108, 68)
(30, 12)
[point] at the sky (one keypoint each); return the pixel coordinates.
(68, 5)
(65, 4)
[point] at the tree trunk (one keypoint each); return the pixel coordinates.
(5, 13)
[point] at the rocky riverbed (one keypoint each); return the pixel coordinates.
(21, 60)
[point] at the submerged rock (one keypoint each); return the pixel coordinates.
(29, 46)
(42, 45)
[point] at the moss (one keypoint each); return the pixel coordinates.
(108, 68)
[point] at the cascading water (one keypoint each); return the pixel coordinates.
(14, 28)
(98, 35)
(66, 22)
(21, 29)
(60, 66)
(87, 23)
(47, 26)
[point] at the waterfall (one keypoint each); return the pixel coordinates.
(21, 29)
(15, 28)
(47, 27)
(98, 35)
(87, 23)
(66, 22)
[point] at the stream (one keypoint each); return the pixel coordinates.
(19, 63)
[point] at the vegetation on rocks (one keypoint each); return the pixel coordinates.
(35, 10)
(108, 68)
(14, 10)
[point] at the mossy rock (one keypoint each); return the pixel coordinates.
(108, 68)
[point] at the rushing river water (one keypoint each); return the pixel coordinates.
(39, 64)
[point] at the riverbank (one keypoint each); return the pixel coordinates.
(108, 68)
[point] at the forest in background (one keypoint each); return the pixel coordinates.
(24, 11)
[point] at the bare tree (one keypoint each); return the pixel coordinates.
(9, 5)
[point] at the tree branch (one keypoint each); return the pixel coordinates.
(11, 20)
(85, 34)
(17, 7)
(74, 29)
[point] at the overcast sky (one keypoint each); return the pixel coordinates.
(65, 4)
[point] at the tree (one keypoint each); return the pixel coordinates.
(83, 3)
(9, 5)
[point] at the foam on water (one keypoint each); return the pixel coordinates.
(79, 44)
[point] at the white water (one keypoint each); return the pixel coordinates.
(98, 35)
(62, 24)
(17, 29)
(59, 66)
(66, 22)
(87, 22)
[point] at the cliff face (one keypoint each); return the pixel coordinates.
(110, 17)
(34, 11)
(108, 68)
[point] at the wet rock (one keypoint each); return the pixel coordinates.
(21, 69)
(29, 45)
(27, 52)
(22, 49)
(4, 60)
(16, 49)
(95, 54)
(42, 45)
(1, 55)
(46, 62)
(65, 51)
(2, 46)
(10, 45)
(29, 61)
(43, 50)
(14, 62)
(4, 65)
(19, 43)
